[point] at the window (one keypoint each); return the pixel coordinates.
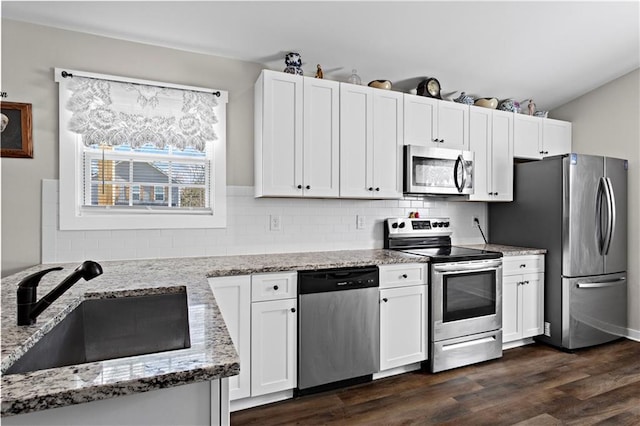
(138, 154)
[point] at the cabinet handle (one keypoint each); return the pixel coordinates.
(519, 283)
(526, 282)
(404, 275)
(495, 193)
(523, 265)
(546, 152)
(299, 186)
(377, 189)
(384, 299)
(293, 309)
(441, 141)
(490, 193)
(370, 188)
(436, 140)
(308, 187)
(275, 287)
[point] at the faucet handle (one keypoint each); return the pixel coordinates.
(34, 279)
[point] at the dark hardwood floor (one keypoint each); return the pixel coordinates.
(530, 385)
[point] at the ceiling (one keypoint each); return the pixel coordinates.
(552, 52)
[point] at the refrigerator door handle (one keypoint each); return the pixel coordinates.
(611, 218)
(601, 284)
(600, 193)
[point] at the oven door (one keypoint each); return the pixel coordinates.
(466, 298)
(438, 171)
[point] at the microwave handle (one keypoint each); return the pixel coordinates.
(460, 162)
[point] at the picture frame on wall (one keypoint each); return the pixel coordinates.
(16, 130)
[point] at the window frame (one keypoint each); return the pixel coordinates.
(72, 214)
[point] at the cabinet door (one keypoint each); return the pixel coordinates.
(356, 133)
(480, 144)
(532, 305)
(273, 346)
(502, 156)
(403, 326)
(556, 137)
(453, 125)
(281, 148)
(233, 295)
(527, 136)
(420, 121)
(321, 138)
(511, 306)
(387, 144)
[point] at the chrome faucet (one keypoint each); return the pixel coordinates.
(29, 309)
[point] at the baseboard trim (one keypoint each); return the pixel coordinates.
(633, 334)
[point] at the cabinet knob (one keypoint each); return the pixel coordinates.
(404, 275)
(275, 287)
(490, 193)
(441, 141)
(495, 193)
(541, 152)
(293, 309)
(308, 186)
(377, 189)
(523, 265)
(526, 282)
(299, 186)
(436, 140)
(370, 188)
(384, 299)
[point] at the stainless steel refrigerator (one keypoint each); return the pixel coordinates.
(575, 206)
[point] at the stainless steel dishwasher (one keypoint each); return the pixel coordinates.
(338, 328)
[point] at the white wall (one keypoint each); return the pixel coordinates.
(606, 121)
(29, 236)
(29, 54)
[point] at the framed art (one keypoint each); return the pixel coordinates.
(16, 130)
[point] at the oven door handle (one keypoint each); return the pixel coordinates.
(467, 267)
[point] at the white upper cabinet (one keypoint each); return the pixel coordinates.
(435, 123)
(556, 137)
(296, 136)
(536, 138)
(491, 140)
(370, 142)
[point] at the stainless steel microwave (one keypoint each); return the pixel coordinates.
(437, 171)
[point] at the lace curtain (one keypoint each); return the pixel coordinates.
(112, 113)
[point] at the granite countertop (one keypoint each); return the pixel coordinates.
(211, 355)
(505, 250)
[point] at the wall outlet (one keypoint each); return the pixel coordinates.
(361, 221)
(547, 329)
(275, 223)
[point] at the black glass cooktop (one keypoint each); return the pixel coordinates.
(454, 254)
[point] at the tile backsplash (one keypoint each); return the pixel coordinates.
(305, 225)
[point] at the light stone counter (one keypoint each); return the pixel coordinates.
(211, 355)
(505, 250)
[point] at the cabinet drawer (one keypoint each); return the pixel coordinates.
(279, 285)
(402, 274)
(522, 264)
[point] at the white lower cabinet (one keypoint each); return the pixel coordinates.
(403, 326)
(522, 297)
(403, 315)
(233, 295)
(273, 346)
(260, 313)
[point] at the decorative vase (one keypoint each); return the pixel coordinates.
(293, 61)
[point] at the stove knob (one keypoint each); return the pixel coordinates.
(446, 224)
(394, 225)
(401, 225)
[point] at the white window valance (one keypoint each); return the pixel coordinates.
(115, 113)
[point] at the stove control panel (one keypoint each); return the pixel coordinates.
(405, 227)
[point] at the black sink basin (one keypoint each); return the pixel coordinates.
(102, 329)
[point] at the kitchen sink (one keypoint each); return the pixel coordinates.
(102, 329)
